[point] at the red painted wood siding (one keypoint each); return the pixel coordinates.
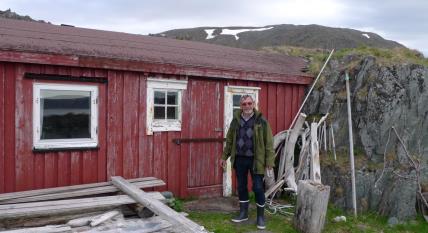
(124, 147)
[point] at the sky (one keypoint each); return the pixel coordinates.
(403, 21)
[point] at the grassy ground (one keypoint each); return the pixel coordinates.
(369, 222)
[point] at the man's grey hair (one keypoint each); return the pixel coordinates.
(244, 97)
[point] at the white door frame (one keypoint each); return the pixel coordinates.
(229, 91)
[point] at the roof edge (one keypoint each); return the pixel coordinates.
(150, 67)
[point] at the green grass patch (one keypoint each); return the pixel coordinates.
(386, 57)
(367, 222)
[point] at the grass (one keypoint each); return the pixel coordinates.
(386, 57)
(368, 222)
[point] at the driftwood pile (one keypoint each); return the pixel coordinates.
(308, 167)
(86, 208)
(312, 196)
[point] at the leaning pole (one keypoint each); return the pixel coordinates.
(351, 146)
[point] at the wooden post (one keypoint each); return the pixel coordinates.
(351, 146)
(332, 141)
(156, 206)
(311, 206)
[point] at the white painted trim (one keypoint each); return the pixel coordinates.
(153, 84)
(64, 143)
(228, 116)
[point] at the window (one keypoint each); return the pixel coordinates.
(164, 104)
(65, 116)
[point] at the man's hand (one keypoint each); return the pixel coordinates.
(223, 163)
(269, 171)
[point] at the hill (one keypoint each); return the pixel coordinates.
(308, 36)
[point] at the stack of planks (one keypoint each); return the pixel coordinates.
(83, 206)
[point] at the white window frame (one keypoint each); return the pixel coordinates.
(157, 125)
(91, 142)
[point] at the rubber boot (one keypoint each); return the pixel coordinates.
(261, 217)
(243, 212)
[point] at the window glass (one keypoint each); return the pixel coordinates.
(65, 114)
(159, 97)
(236, 100)
(172, 98)
(159, 112)
(172, 113)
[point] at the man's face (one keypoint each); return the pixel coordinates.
(247, 105)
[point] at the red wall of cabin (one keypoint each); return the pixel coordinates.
(124, 147)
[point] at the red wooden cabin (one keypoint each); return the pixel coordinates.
(80, 105)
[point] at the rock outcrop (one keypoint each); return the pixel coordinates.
(382, 97)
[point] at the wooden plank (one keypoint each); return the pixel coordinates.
(288, 106)
(2, 127)
(102, 128)
(173, 155)
(66, 206)
(66, 202)
(143, 158)
(64, 173)
(272, 106)
(82, 192)
(7, 196)
(156, 206)
(45, 229)
(280, 111)
(130, 125)
(97, 220)
(185, 132)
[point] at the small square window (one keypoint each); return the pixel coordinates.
(164, 104)
(65, 116)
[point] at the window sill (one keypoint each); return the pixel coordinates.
(65, 149)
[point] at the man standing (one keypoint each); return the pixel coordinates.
(249, 144)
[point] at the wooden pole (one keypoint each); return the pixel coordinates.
(351, 145)
(310, 90)
(156, 206)
(332, 142)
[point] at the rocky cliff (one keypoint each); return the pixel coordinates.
(382, 96)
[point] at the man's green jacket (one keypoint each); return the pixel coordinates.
(263, 143)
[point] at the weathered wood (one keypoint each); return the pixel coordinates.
(311, 206)
(97, 220)
(332, 141)
(302, 171)
(153, 224)
(288, 168)
(315, 174)
(274, 188)
(269, 178)
(351, 144)
(279, 138)
(152, 182)
(15, 195)
(45, 229)
(64, 206)
(324, 130)
(155, 205)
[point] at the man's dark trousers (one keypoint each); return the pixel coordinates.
(243, 165)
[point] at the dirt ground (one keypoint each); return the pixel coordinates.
(215, 204)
